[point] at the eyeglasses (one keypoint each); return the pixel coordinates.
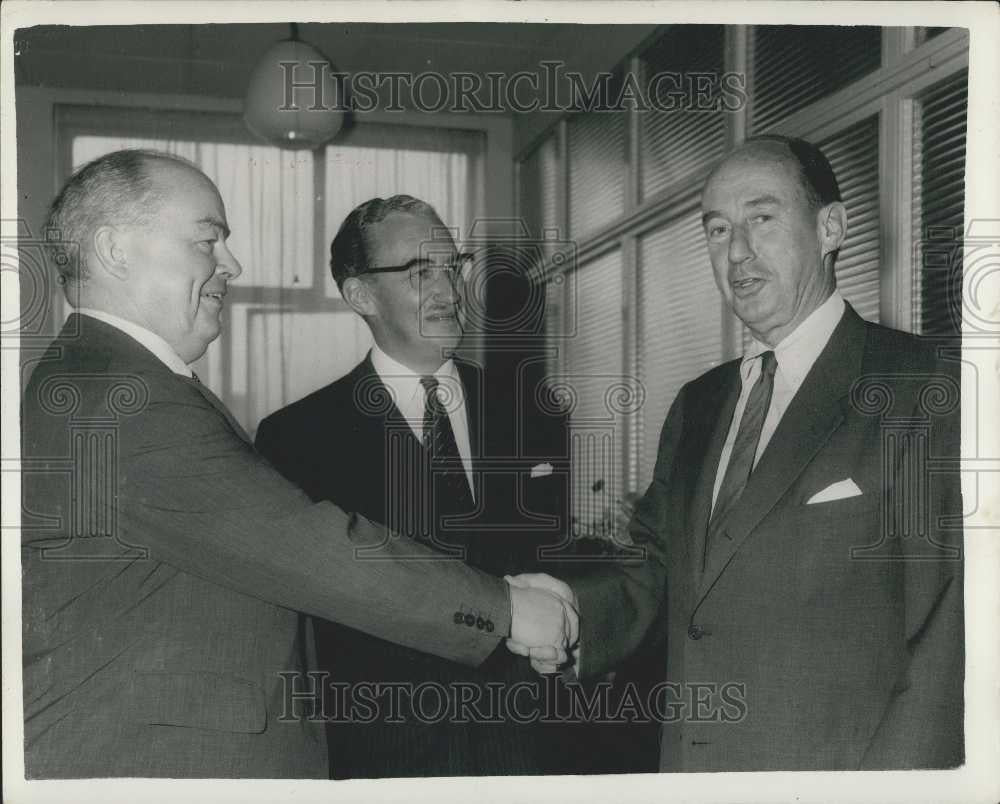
(422, 271)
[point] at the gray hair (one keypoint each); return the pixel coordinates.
(350, 247)
(117, 188)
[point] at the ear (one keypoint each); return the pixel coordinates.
(359, 297)
(110, 252)
(832, 222)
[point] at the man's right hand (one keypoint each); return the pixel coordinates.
(545, 626)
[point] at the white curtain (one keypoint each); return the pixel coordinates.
(287, 332)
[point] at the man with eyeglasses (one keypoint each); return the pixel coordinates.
(408, 440)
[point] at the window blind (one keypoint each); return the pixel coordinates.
(593, 368)
(555, 323)
(853, 154)
(596, 171)
(676, 143)
(679, 320)
(286, 334)
(538, 187)
(794, 66)
(939, 193)
(539, 194)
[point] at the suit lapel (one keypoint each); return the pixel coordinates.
(134, 353)
(470, 377)
(216, 403)
(815, 412)
(368, 385)
(711, 427)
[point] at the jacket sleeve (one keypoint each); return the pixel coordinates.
(198, 497)
(268, 441)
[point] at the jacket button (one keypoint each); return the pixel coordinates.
(470, 619)
(459, 618)
(696, 631)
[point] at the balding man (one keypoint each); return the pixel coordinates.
(164, 561)
(804, 555)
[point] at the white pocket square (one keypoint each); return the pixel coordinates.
(541, 470)
(840, 490)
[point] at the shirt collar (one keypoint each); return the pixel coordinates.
(150, 340)
(798, 350)
(404, 382)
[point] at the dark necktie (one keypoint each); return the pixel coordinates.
(439, 441)
(741, 459)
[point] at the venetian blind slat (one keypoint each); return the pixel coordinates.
(680, 323)
(794, 66)
(596, 171)
(539, 178)
(853, 155)
(939, 192)
(676, 143)
(592, 366)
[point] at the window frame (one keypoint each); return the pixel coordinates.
(72, 118)
(910, 64)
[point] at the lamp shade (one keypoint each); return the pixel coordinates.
(292, 99)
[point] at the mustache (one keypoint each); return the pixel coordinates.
(443, 309)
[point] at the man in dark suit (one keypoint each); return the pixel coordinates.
(163, 560)
(803, 527)
(407, 439)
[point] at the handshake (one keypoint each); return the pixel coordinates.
(545, 621)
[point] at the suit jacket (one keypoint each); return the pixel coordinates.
(826, 636)
(348, 443)
(163, 565)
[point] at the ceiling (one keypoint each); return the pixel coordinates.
(215, 60)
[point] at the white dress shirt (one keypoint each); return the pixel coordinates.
(409, 395)
(795, 356)
(153, 342)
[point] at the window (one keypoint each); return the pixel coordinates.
(674, 144)
(592, 376)
(827, 84)
(680, 323)
(853, 154)
(287, 331)
(539, 194)
(597, 171)
(794, 66)
(539, 199)
(939, 199)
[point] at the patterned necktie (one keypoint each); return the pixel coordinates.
(442, 448)
(742, 457)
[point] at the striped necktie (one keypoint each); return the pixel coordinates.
(439, 441)
(742, 457)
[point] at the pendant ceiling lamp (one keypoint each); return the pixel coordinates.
(293, 100)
